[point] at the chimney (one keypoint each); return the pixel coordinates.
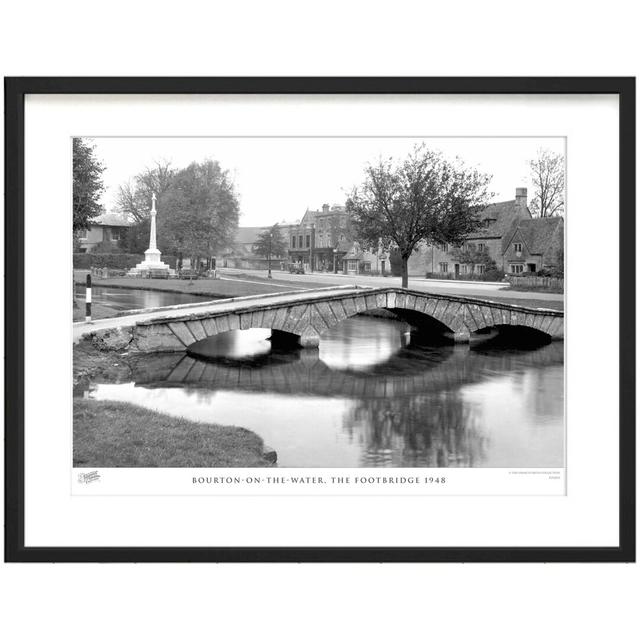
(521, 197)
(325, 208)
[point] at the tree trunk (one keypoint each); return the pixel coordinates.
(405, 272)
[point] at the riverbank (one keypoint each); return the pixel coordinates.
(208, 288)
(243, 284)
(98, 312)
(119, 434)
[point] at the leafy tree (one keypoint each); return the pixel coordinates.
(424, 197)
(87, 184)
(270, 243)
(198, 213)
(547, 174)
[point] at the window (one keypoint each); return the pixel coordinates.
(82, 234)
(308, 241)
(480, 246)
(517, 246)
(115, 234)
(300, 241)
(480, 268)
(517, 268)
(444, 267)
(293, 242)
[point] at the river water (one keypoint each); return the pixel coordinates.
(373, 395)
(127, 299)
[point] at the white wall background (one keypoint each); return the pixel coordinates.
(328, 38)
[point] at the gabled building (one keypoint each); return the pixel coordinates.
(508, 235)
(533, 245)
(317, 241)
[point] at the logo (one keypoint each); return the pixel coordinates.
(86, 478)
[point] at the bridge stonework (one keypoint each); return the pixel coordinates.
(311, 318)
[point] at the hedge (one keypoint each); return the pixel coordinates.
(490, 275)
(114, 260)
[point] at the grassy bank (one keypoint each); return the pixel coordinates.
(205, 287)
(521, 287)
(98, 311)
(118, 434)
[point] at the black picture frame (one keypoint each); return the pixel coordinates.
(15, 91)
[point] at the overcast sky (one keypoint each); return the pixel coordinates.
(279, 178)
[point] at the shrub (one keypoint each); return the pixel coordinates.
(106, 247)
(122, 261)
(490, 275)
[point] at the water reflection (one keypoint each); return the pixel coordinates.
(126, 299)
(398, 402)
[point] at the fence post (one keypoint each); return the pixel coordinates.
(88, 299)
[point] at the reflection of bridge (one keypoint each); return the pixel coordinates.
(310, 313)
(407, 373)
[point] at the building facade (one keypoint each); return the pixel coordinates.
(508, 236)
(108, 227)
(317, 241)
(320, 242)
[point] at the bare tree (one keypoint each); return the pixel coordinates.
(547, 174)
(134, 196)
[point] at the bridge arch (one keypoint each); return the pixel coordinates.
(310, 318)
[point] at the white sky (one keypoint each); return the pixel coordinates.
(279, 178)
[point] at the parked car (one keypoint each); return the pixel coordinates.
(296, 267)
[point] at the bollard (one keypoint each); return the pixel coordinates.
(88, 299)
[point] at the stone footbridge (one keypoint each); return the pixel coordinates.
(308, 314)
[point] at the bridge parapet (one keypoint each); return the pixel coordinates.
(309, 314)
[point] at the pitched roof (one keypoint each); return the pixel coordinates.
(111, 220)
(500, 217)
(538, 233)
(354, 252)
(248, 235)
(311, 216)
(344, 246)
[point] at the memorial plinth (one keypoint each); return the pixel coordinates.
(152, 261)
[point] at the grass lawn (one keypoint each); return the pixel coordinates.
(535, 289)
(230, 288)
(119, 434)
(205, 287)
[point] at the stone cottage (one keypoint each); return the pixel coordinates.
(508, 235)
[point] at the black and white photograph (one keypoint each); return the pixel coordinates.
(318, 302)
(361, 319)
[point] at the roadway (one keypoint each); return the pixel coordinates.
(494, 290)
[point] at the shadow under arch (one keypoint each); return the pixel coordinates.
(508, 336)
